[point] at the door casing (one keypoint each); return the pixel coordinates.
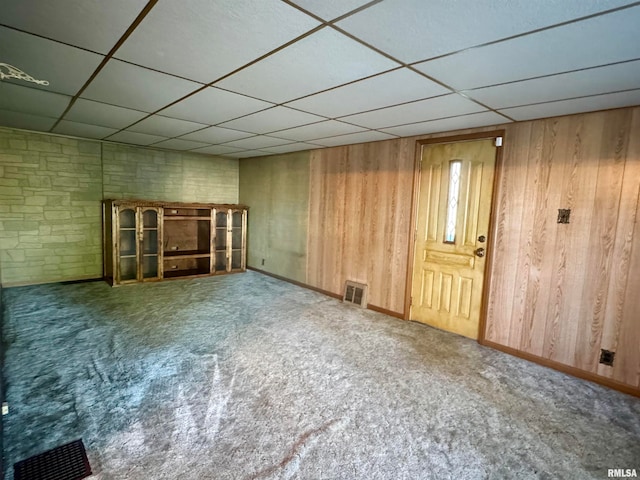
(492, 229)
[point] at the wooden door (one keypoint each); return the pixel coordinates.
(454, 206)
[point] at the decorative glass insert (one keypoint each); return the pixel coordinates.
(453, 199)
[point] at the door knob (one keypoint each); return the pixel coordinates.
(479, 252)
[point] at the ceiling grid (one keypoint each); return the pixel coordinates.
(243, 78)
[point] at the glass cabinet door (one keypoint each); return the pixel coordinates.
(127, 245)
(237, 239)
(150, 246)
(222, 240)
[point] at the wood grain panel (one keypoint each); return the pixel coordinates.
(571, 283)
(558, 292)
(508, 227)
(359, 218)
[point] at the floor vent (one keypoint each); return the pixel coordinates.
(355, 293)
(66, 462)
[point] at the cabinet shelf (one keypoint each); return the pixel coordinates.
(186, 217)
(186, 254)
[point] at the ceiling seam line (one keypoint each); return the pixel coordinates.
(531, 32)
(211, 84)
(550, 75)
(143, 13)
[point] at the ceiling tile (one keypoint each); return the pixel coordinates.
(481, 119)
(430, 109)
(329, 128)
(130, 86)
(601, 40)
(204, 39)
(83, 130)
(28, 100)
(625, 76)
(216, 135)
(257, 142)
(65, 68)
(578, 105)
(252, 153)
(330, 9)
(376, 92)
(166, 127)
(135, 138)
(213, 105)
(444, 27)
(292, 147)
(217, 150)
(92, 24)
(352, 138)
(179, 144)
(323, 60)
(277, 118)
(96, 113)
(25, 121)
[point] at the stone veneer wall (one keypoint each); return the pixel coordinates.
(50, 217)
(132, 172)
(51, 189)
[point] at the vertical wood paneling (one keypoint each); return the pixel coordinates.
(508, 227)
(610, 158)
(359, 217)
(571, 283)
(560, 292)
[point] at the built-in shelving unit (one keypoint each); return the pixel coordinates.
(147, 241)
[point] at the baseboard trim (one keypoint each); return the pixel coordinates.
(326, 292)
(576, 372)
(86, 278)
(391, 313)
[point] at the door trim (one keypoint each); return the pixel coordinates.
(492, 225)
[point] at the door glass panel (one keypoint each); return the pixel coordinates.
(150, 219)
(236, 259)
(127, 218)
(150, 266)
(128, 268)
(453, 199)
(221, 238)
(221, 261)
(221, 219)
(237, 219)
(236, 237)
(150, 241)
(127, 242)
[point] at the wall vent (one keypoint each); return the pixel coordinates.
(355, 293)
(607, 357)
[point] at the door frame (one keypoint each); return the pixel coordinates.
(491, 237)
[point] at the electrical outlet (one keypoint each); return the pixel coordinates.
(5, 408)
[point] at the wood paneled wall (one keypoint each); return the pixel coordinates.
(564, 291)
(558, 292)
(359, 219)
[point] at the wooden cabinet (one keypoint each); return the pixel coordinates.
(150, 241)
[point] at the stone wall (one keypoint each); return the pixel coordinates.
(50, 217)
(51, 189)
(131, 172)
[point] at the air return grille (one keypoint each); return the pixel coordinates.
(355, 293)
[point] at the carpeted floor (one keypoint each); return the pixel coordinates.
(248, 377)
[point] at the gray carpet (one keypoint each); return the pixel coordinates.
(248, 377)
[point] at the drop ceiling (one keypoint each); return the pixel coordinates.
(245, 78)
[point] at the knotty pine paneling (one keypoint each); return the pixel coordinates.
(563, 292)
(359, 219)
